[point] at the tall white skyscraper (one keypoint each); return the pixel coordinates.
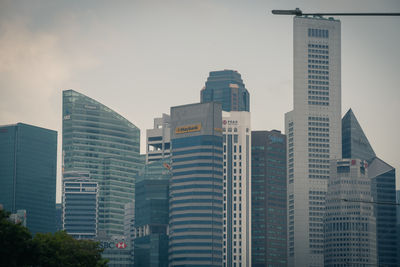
(237, 188)
(313, 130)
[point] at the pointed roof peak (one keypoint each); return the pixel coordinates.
(355, 144)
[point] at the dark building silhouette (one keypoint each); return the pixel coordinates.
(268, 198)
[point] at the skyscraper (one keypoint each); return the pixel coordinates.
(196, 187)
(80, 205)
(350, 224)
(383, 181)
(355, 144)
(313, 130)
(28, 164)
(237, 188)
(158, 139)
(268, 198)
(383, 187)
(227, 88)
(101, 142)
(152, 215)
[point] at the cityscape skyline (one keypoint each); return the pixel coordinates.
(55, 49)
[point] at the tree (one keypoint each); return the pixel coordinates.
(16, 244)
(17, 248)
(61, 249)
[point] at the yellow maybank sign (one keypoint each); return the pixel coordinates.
(188, 128)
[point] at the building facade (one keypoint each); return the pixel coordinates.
(58, 216)
(227, 88)
(28, 164)
(237, 188)
(354, 141)
(158, 139)
(101, 142)
(152, 209)
(80, 205)
(383, 187)
(196, 187)
(350, 224)
(116, 249)
(268, 199)
(383, 182)
(313, 130)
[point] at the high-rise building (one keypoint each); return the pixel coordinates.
(58, 216)
(101, 142)
(196, 187)
(158, 140)
(383, 187)
(80, 205)
(28, 164)
(151, 208)
(268, 199)
(350, 224)
(237, 188)
(227, 88)
(355, 144)
(129, 225)
(313, 130)
(398, 224)
(383, 181)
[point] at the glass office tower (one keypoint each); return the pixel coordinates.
(354, 142)
(80, 205)
(28, 164)
(268, 198)
(152, 215)
(383, 181)
(101, 142)
(227, 88)
(196, 187)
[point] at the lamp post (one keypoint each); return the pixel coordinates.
(298, 12)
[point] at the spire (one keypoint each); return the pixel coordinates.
(354, 142)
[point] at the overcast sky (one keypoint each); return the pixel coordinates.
(139, 58)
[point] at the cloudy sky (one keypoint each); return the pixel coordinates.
(142, 57)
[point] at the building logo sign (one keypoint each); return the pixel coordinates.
(121, 245)
(230, 122)
(188, 129)
(90, 107)
(112, 245)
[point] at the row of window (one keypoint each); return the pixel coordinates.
(320, 51)
(319, 93)
(318, 87)
(317, 82)
(318, 103)
(318, 134)
(318, 46)
(318, 67)
(315, 61)
(319, 33)
(318, 56)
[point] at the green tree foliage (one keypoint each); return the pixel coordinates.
(17, 248)
(16, 244)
